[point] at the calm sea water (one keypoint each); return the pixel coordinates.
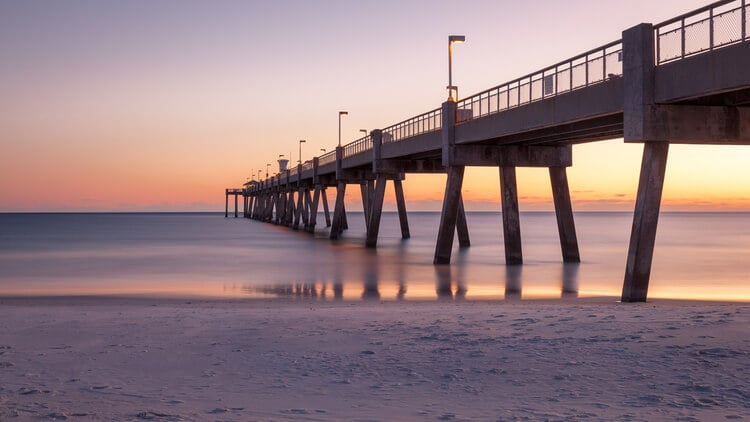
(698, 256)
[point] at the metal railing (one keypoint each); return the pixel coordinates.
(307, 165)
(583, 70)
(293, 171)
(417, 125)
(360, 145)
(717, 25)
(327, 158)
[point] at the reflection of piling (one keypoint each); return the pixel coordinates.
(513, 281)
(570, 279)
(443, 286)
(370, 277)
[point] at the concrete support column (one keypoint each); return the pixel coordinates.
(314, 210)
(376, 208)
(226, 203)
(281, 206)
(452, 196)
(338, 212)
(511, 220)
(401, 205)
(289, 214)
(235, 206)
(462, 227)
(344, 221)
(299, 209)
(449, 214)
(564, 212)
(306, 210)
(365, 191)
(645, 220)
(325, 206)
(269, 206)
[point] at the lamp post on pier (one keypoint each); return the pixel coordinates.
(267, 166)
(341, 113)
(451, 88)
(301, 141)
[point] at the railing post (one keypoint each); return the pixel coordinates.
(711, 29)
(682, 38)
(339, 164)
(586, 64)
(316, 178)
(570, 76)
(658, 46)
(744, 19)
(377, 142)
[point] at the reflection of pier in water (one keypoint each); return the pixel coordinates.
(450, 284)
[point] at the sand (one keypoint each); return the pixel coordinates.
(94, 358)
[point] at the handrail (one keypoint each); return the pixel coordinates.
(582, 70)
(327, 158)
(417, 125)
(716, 25)
(694, 12)
(360, 145)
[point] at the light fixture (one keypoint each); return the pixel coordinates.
(451, 88)
(341, 113)
(301, 141)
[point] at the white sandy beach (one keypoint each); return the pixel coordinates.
(165, 359)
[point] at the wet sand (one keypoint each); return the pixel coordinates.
(110, 358)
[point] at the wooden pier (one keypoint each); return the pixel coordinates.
(649, 87)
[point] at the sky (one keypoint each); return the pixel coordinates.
(160, 105)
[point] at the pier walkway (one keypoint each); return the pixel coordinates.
(685, 80)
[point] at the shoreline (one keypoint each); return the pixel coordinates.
(149, 298)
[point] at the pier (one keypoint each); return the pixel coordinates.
(682, 81)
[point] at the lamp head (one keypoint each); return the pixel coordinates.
(456, 38)
(343, 113)
(302, 141)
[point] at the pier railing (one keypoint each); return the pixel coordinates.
(360, 145)
(327, 158)
(417, 125)
(583, 70)
(717, 25)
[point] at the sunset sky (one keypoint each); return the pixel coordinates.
(160, 105)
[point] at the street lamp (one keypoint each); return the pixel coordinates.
(451, 87)
(301, 141)
(363, 131)
(267, 166)
(323, 150)
(341, 113)
(259, 173)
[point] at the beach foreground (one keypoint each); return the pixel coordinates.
(95, 358)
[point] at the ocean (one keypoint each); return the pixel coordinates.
(698, 256)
